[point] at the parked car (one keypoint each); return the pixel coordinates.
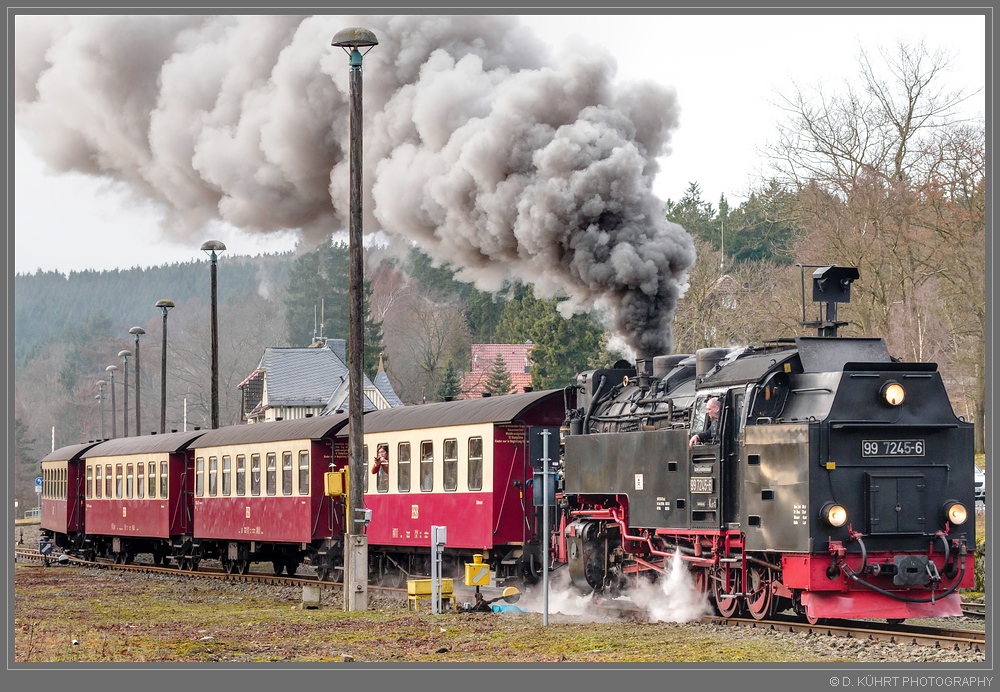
(980, 485)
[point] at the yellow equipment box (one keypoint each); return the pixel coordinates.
(422, 587)
(335, 483)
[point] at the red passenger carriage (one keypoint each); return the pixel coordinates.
(62, 503)
(259, 495)
(465, 465)
(138, 497)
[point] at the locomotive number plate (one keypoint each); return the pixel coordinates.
(702, 485)
(892, 448)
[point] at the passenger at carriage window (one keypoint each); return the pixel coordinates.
(712, 410)
(381, 462)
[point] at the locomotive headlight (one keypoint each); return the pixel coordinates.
(956, 512)
(833, 514)
(893, 393)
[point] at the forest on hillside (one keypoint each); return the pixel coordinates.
(886, 181)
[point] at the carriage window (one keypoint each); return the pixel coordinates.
(475, 463)
(303, 472)
(227, 473)
(403, 468)
(97, 481)
(364, 455)
(107, 481)
(272, 473)
(286, 473)
(255, 474)
(241, 480)
(426, 465)
(140, 480)
(199, 477)
(152, 480)
(129, 481)
(90, 482)
(450, 476)
(213, 476)
(163, 480)
(119, 477)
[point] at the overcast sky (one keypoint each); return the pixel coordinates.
(726, 70)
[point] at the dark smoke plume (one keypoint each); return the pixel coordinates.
(479, 146)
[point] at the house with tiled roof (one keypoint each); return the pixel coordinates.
(515, 356)
(298, 382)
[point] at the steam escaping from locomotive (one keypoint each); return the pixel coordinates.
(479, 146)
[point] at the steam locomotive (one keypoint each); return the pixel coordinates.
(838, 483)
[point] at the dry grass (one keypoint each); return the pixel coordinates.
(69, 614)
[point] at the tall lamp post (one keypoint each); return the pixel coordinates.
(137, 331)
(213, 248)
(356, 598)
(164, 305)
(124, 355)
(111, 369)
(100, 400)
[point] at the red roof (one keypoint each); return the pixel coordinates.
(515, 355)
(474, 384)
(483, 356)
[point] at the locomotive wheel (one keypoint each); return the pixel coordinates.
(721, 586)
(279, 566)
(157, 559)
(243, 566)
(323, 572)
(291, 568)
(395, 578)
(760, 599)
(182, 563)
(814, 620)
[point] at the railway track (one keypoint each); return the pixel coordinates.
(935, 637)
(974, 609)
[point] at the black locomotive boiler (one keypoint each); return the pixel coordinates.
(839, 481)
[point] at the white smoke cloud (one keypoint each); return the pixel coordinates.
(479, 146)
(672, 598)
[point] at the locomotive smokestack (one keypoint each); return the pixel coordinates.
(481, 148)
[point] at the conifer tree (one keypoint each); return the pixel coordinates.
(450, 386)
(499, 381)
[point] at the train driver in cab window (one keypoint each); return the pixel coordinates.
(711, 430)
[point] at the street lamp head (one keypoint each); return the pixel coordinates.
(355, 37)
(213, 247)
(124, 353)
(164, 305)
(137, 331)
(112, 369)
(101, 383)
